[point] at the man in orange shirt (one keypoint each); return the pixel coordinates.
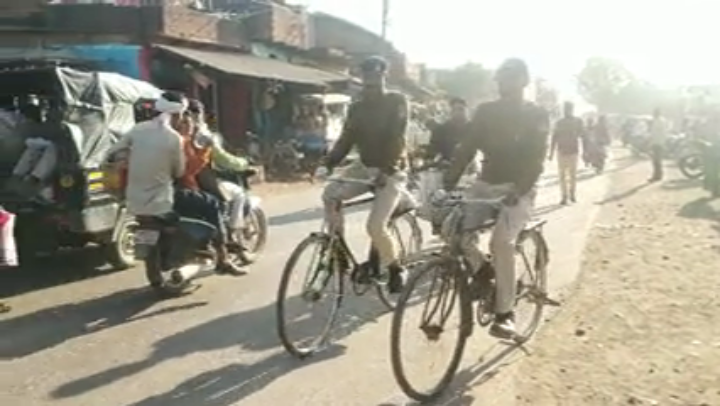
(194, 202)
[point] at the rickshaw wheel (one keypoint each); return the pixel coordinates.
(120, 251)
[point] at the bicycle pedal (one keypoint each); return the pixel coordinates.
(550, 302)
(362, 276)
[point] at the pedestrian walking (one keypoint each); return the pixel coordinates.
(658, 137)
(566, 141)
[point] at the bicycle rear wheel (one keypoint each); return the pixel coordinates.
(322, 274)
(532, 253)
(446, 289)
(408, 235)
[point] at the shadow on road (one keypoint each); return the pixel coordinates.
(253, 330)
(230, 384)
(702, 208)
(308, 215)
(682, 184)
(62, 268)
(624, 195)
(488, 366)
(34, 332)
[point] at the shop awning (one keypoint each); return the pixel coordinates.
(248, 65)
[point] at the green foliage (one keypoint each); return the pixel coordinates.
(602, 82)
(470, 81)
(547, 97)
(612, 88)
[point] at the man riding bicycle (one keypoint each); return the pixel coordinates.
(375, 125)
(512, 134)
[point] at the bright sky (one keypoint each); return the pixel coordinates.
(669, 42)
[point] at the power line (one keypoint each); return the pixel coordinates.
(385, 14)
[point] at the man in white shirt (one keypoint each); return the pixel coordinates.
(658, 137)
(156, 158)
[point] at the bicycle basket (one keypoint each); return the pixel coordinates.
(458, 219)
(429, 182)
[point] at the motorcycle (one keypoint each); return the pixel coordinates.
(176, 250)
(284, 160)
(691, 163)
(311, 150)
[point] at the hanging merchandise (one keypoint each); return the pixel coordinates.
(267, 101)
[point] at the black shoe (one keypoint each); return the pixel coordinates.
(504, 326)
(229, 268)
(563, 202)
(396, 278)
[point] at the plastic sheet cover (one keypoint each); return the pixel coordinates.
(97, 107)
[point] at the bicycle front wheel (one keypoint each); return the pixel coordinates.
(437, 294)
(408, 239)
(319, 279)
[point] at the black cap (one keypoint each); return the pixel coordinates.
(195, 106)
(173, 96)
(374, 64)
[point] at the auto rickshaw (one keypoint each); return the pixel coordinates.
(90, 111)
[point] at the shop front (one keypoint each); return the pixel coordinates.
(246, 92)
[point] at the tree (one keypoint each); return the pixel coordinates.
(602, 80)
(470, 81)
(547, 96)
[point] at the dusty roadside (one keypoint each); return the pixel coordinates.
(643, 325)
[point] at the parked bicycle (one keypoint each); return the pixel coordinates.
(333, 264)
(454, 281)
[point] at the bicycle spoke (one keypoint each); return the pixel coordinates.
(300, 330)
(408, 348)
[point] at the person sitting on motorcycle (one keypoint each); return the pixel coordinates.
(155, 158)
(512, 134)
(221, 160)
(376, 126)
(192, 201)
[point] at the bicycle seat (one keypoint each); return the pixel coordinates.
(534, 224)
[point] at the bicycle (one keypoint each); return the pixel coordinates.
(452, 273)
(337, 262)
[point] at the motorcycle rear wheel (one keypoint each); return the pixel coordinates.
(691, 166)
(160, 281)
(254, 245)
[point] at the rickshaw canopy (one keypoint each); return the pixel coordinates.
(96, 107)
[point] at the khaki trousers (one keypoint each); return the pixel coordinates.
(567, 174)
(38, 160)
(387, 197)
(511, 221)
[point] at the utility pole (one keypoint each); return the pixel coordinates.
(385, 13)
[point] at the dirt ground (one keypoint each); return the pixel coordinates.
(643, 325)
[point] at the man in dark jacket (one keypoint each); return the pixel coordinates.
(512, 134)
(446, 136)
(566, 140)
(375, 126)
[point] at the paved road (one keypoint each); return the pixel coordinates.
(102, 339)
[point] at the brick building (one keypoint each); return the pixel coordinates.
(174, 45)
